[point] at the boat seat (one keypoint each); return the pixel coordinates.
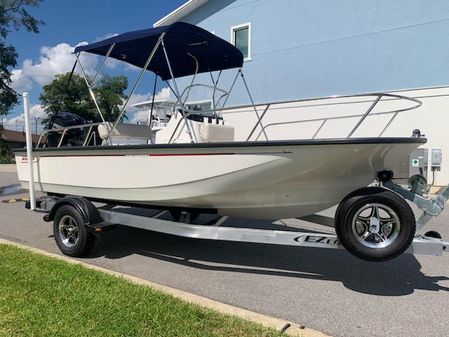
(125, 132)
(206, 132)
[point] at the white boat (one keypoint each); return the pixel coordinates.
(270, 180)
(157, 113)
(194, 162)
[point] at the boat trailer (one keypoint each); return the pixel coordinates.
(98, 219)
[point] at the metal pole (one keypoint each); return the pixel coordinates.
(214, 104)
(193, 79)
(371, 108)
(29, 143)
(102, 63)
(259, 123)
(389, 123)
(259, 118)
(91, 92)
(147, 63)
(35, 121)
(150, 119)
(231, 88)
(175, 86)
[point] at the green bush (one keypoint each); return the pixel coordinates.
(6, 157)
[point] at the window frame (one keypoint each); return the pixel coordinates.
(238, 27)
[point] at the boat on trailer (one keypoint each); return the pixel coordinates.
(195, 164)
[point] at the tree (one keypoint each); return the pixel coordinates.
(6, 156)
(62, 95)
(13, 15)
(111, 95)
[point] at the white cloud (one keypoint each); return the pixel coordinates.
(105, 36)
(135, 115)
(53, 60)
(131, 67)
(18, 122)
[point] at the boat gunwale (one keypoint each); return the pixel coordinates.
(239, 144)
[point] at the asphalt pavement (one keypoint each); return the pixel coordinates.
(327, 290)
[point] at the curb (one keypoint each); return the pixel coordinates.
(288, 328)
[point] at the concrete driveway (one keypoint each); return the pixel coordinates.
(326, 290)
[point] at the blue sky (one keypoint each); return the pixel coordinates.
(68, 23)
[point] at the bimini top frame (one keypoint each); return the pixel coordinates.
(170, 52)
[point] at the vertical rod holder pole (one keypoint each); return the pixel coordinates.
(29, 145)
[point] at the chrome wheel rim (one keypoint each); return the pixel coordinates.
(68, 231)
(376, 225)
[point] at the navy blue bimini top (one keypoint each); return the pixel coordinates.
(180, 40)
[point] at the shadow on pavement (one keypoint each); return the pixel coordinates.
(398, 277)
(11, 190)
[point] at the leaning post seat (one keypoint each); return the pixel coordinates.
(206, 130)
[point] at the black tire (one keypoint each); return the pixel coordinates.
(68, 216)
(392, 237)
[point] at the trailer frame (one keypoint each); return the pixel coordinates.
(99, 219)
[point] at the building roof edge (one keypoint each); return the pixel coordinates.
(180, 12)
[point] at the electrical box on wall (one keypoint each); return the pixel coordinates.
(419, 162)
(436, 159)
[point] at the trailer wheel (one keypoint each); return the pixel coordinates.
(375, 224)
(70, 231)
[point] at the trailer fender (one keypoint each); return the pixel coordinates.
(85, 207)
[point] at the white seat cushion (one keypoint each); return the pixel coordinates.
(125, 131)
(214, 133)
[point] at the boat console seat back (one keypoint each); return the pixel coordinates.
(176, 131)
(126, 133)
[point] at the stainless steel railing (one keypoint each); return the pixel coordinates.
(375, 99)
(89, 137)
(265, 108)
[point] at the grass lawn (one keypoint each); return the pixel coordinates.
(42, 296)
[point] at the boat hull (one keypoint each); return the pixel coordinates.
(266, 180)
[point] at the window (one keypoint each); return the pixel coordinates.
(241, 38)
